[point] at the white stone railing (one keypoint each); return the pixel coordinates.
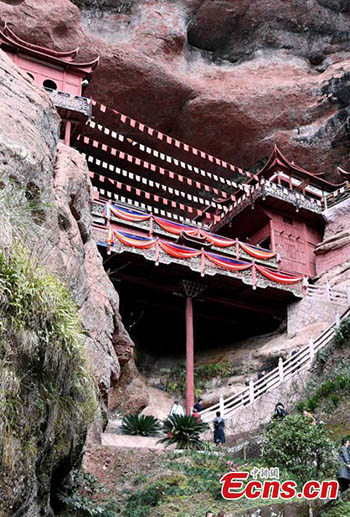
(331, 294)
(302, 360)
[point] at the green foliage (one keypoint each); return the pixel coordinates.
(202, 374)
(340, 509)
(305, 450)
(331, 389)
(184, 431)
(342, 335)
(85, 489)
(196, 474)
(142, 425)
(44, 380)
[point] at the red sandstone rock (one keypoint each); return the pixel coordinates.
(79, 260)
(13, 2)
(288, 86)
(333, 253)
(30, 154)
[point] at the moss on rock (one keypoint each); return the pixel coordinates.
(46, 392)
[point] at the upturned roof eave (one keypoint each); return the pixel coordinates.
(8, 38)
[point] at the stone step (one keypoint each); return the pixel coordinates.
(132, 442)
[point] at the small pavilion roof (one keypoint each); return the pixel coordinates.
(65, 59)
(278, 161)
(343, 172)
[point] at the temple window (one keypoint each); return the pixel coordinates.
(265, 243)
(49, 84)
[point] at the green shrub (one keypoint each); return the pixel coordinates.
(305, 450)
(202, 375)
(142, 425)
(331, 389)
(85, 489)
(184, 431)
(342, 335)
(335, 399)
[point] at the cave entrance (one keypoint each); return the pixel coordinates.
(153, 309)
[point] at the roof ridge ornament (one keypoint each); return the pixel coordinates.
(278, 159)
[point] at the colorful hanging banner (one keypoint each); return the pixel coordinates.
(168, 159)
(172, 141)
(218, 240)
(256, 252)
(174, 228)
(184, 252)
(155, 168)
(125, 213)
(134, 240)
(227, 263)
(280, 278)
(177, 251)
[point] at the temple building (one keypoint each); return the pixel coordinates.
(202, 252)
(58, 73)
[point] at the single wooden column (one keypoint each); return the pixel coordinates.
(67, 132)
(189, 356)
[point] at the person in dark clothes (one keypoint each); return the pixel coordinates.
(198, 406)
(343, 475)
(280, 412)
(219, 426)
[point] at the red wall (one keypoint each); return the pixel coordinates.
(294, 240)
(66, 81)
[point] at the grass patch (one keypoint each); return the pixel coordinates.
(332, 390)
(47, 395)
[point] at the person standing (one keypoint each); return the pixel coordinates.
(219, 426)
(198, 406)
(343, 475)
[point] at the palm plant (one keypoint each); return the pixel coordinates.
(184, 431)
(141, 425)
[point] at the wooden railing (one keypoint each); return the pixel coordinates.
(284, 371)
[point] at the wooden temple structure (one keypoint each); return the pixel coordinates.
(180, 228)
(58, 73)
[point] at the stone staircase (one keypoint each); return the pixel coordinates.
(272, 387)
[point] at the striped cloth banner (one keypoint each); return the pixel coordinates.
(280, 278)
(133, 240)
(227, 263)
(256, 252)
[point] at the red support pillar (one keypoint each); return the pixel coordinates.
(67, 131)
(189, 356)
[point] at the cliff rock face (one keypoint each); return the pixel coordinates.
(77, 261)
(57, 176)
(61, 177)
(255, 73)
(333, 253)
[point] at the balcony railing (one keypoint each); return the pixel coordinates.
(201, 261)
(71, 102)
(238, 250)
(267, 188)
